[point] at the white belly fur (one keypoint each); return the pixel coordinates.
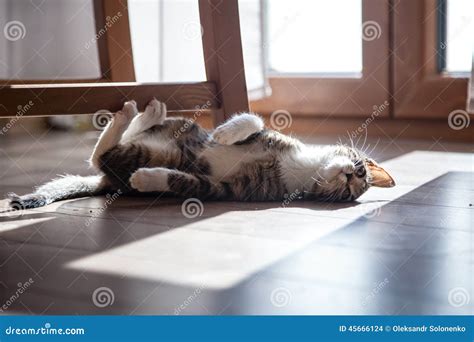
(225, 161)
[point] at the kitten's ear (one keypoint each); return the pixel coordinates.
(378, 176)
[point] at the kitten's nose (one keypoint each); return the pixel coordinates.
(349, 176)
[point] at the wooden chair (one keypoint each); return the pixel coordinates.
(223, 93)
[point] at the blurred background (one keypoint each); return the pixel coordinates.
(317, 60)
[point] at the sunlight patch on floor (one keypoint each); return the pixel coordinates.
(208, 254)
(19, 223)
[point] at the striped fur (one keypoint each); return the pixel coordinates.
(240, 160)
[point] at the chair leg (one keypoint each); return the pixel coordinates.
(115, 45)
(223, 57)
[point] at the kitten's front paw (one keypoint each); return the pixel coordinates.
(339, 166)
(141, 180)
(348, 167)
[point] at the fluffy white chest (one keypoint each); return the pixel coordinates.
(300, 168)
(225, 161)
(160, 144)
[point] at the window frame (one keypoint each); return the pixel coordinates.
(410, 79)
(342, 96)
(420, 89)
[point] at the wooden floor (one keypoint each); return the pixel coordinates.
(405, 250)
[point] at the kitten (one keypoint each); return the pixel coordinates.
(240, 160)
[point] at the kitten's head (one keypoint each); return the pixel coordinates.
(348, 186)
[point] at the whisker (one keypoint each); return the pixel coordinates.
(366, 148)
(365, 139)
(339, 141)
(357, 141)
(375, 146)
(352, 141)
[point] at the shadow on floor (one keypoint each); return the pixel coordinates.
(404, 260)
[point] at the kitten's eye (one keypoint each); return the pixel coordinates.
(346, 194)
(360, 172)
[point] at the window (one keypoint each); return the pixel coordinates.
(166, 40)
(314, 36)
(337, 58)
(36, 44)
(459, 26)
(328, 58)
(343, 58)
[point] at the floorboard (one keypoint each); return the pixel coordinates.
(404, 250)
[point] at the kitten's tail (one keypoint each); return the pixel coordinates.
(64, 187)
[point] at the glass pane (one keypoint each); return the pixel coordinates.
(166, 40)
(49, 39)
(460, 35)
(315, 36)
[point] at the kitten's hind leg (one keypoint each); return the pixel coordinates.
(160, 179)
(154, 114)
(113, 132)
(238, 128)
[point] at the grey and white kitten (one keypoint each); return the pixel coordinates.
(240, 160)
